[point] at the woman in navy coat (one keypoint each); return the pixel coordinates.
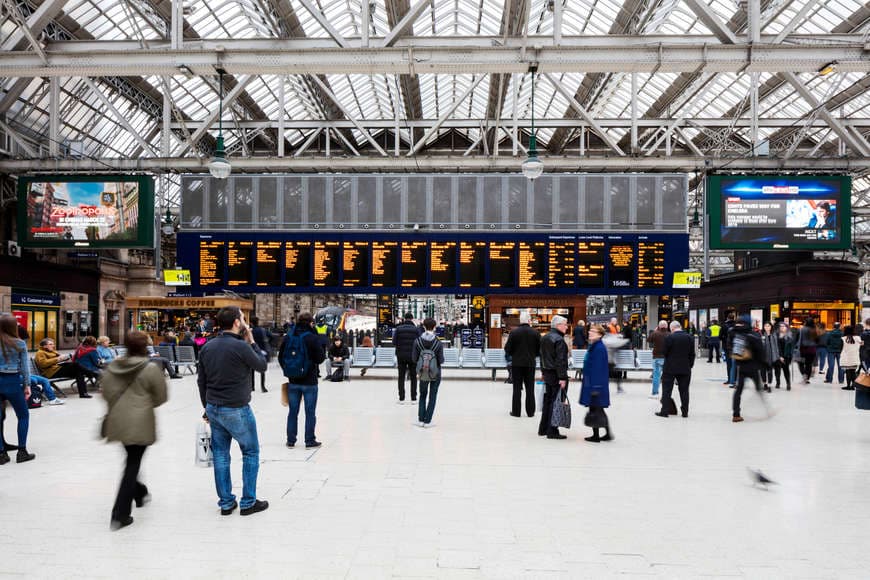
(595, 390)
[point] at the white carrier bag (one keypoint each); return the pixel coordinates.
(203, 445)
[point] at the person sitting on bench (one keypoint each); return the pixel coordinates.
(338, 356)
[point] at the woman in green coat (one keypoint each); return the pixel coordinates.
(132, 387)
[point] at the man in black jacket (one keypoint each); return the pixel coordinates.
(404, 336)
(554, 367)
(747, 350)
(679, 351)
(523, 345)
(303, 387)
(225, 366)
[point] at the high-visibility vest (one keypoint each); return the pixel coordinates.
(715, 330)
(321, 328)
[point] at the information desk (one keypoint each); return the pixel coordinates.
(568, 263)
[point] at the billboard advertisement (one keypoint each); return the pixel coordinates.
(779, 212)
(93, 211)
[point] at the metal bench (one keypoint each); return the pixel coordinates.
(623, 360)
(645, 360)
(451, 358)
(494, 358)
(120, 351)
(471, 358)
(385, 357)
(576, 362)
(363, 356)
(168, 352)
(53, 382)
(185, 356)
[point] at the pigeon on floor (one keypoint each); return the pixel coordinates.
(759, 479)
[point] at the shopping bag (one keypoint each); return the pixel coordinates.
(539, 394)
(203, 445)
(285, 396)
(561, 416)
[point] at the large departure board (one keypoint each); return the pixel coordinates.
(326, 263)
(650, 264)
(502, 264)
(385, 262)
(472, 263)
(269, 263)
(443, 264)
(240, 271)
(211, 262)
(414, 264)
(532, 265)
(590, 264)
(356, 264)
(297, 264)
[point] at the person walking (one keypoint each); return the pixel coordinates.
(554, 367)
(595, 388)
(727, 334)
(807, 340)
(747, 350)
(132, 388)
(14, 385)
(834, 346)
(263, 338)
(850, 357)
(679, 351)
(579, 340)
(404, 336)
(657, 340)
(523, 347)
(771, 354)
(714, 342)
(785, 345)
(821, 347)
(224, 380)
(428, 357)
(300, 357)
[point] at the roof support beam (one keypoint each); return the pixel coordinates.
(585, 114)
(13, 11)
(356, 123)
(711, 20)
(18, 139)
(406, 21)
(228, 100)
(321, 19)
(798, 18)
(118, 116)
(35, 23)
(433, 129)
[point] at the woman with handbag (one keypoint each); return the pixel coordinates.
(850, 357)
(595, 389)
(132, 388)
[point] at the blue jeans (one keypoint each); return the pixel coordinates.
(658, 365)
(821, 358)
(228, 423)
(425, 409)
(12, 391)
(841, 374)
(295, 393)
(44, 384)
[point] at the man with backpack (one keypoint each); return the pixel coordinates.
(300, 356)
(747, 353)
(427, 355)
(404, 337)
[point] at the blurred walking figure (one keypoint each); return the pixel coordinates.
(132, 388)
(747, 351)
(807, 349)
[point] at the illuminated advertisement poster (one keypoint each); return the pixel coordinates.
(87, 212)
(779, 212)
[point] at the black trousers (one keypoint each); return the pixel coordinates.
(551, 391)
(74, 371)
(131, 488)
(713, 345)
(668, 392)
(851, 375)
(523, 377)
(784, 366)
(406, 366)
(738, 388)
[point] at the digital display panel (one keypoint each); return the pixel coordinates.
(532, 265)
(501, 264)
(240, 263)
(590, 264)
(94, 211)
(779, 212)
(472, 264)
(621, 265)
(212, 262)
(414, 264)
(385, 261)
(326, 263)
(356, 264)
(443, 264)
(269, 264)
(650, 264)
(297, 264)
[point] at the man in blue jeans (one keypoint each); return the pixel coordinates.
(225, 366)
(428, 345)
(657, 339)
(304, 386)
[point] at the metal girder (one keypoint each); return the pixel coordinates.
(712, 21)
(407, 20)
(327, 91)
(798, 18)
(228, 101)
(18, 139)
(24, 28)
(585, 114)
(323, 21)
(438, 163)
(35, 23)
(118, 116)
(410, 91)
(614, 54)
(453, 106)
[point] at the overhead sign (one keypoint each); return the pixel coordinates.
(688, 279)
(34, 300)
(176, 277)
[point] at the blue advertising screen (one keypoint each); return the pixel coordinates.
(779, 212)
(566, 263)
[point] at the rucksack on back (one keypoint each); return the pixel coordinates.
(740, 348)
(294, 355)
(427, 364)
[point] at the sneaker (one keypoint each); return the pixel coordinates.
(291, 445)
(311, 445)
(116, 525)
(653, 397)
(737, 419)
(400, 402)
(428, 425)
(230, 510)
(4, 458)
(419, 424)
(259, 506)
(23, 456)
(56, 402)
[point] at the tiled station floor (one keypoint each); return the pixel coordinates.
(480, 495)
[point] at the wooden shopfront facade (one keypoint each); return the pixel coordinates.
(155, 314)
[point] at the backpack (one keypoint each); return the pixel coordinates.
(427, 363)
(36, 397)
(740, 350)
(337, 375)
(294, 355)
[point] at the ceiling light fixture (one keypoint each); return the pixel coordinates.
(829, 68)
(219, 167)
(533, 167)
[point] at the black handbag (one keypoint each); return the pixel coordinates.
(561, 416)
(595, 417)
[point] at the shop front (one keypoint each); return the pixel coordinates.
(38, 315)
(156, 314)
(505, 309)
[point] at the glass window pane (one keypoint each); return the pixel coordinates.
(392, 200)
(646, 208)
(569, 192)
(219, 201)
(492, 203)
(673, 202)
(268, 201)
(244, 200)
(467, 200)
(620, 201)
(316, 200)
(417, 200)
(517, 197)
(341, 194)
(594, 202)
(442, 200)
(543, 201)
(367, 206)
(192, 199)
(292, 200)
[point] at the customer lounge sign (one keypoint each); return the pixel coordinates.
(34, 300)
